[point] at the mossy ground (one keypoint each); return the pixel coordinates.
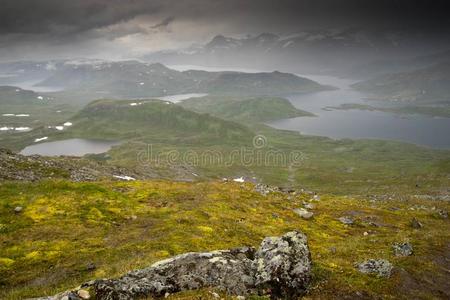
(120, 226)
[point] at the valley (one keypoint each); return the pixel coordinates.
(115, 166)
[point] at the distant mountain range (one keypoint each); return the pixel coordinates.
(83, 81)
(431, 84)
(314, 51)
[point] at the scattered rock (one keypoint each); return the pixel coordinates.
(35, 167)
(215, 295)
(18, 209)
(73, 296)
(83, 294)
(304, 213)
(309, 205)
(240, 298)
(365, 233)
(282, 265)
(91, 267)
(379, 267)
(333, 250)
(416, 224)
(346, 220)
(402, 249)
(442, 214)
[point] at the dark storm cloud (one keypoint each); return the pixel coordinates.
(164, 23)
(69, 16)
(65, 17)
(57, 27)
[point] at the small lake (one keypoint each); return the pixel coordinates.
(69, 147)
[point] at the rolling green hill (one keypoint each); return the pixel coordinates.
(27, 109)
(247, 110)
(126, 119)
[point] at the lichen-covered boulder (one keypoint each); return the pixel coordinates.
(228, 270)
(379, 267)
(283, 265)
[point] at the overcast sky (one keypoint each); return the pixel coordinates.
(42, 29)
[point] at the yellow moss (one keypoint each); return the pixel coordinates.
(95, 214)
(99, 273)
(35, 255)
(40, 210)
(6, 262)
(205, 229)
(162, 253)
(179, 217)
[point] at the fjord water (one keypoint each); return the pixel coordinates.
(353, 124)
(70, 147)
(362, 124)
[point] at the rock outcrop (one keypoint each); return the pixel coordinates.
(379, 267)
(281, 268)
(19, 167)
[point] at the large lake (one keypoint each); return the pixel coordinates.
(355, 124)
(362, 124)
(70, 147)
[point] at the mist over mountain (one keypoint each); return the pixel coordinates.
(332, 51)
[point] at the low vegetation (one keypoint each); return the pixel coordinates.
(67, 233)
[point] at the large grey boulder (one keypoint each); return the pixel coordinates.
(283, 265)
(280, 267)
(228, 270)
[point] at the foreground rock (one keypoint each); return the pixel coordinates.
(346, 220)
(304, 213)
(281, 267)
(379, 267)
(402, 249)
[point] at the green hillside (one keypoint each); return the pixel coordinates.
(27, 109)
(126, 119)
(247, 110)
(430, 84)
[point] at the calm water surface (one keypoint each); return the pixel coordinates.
(354, 124)
(360, 124)
(72, 147)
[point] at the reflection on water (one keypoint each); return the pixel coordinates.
(180, 97)
(72, 147)
(354, 124)
(359, 124)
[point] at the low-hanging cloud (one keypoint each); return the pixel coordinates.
(95, 23)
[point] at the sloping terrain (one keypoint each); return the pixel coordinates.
(247, 110)
(67, 233)
(426, 85)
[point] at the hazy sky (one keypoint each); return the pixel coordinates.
(41, 29)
